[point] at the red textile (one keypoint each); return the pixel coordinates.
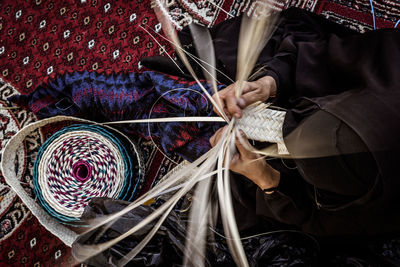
(42, 38)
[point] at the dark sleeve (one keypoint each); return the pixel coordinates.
(290, 204)
(279, 57)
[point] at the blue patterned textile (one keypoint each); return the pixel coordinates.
(129, 96)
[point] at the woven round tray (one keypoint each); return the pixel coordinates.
(75, 164)
(80, 162)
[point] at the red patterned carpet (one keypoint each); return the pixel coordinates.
(40, 39)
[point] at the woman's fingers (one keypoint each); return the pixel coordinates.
(235, 160)
(228, 101)
(236, 105)
(232, 105)
(244, 147)
(250, 98)
(219, 100)
(217, 135)
(243, 161)
(252, 92)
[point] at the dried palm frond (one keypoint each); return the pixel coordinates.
(254, 34)
(216, 161)
(205, 49)
(169, 30)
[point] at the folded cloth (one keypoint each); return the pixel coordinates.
(130, 96)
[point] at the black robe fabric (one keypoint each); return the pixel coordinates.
(331, 80)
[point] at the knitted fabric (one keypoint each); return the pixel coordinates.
(130, 96)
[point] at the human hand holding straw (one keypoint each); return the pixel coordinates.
(249, 164)
(259, 90)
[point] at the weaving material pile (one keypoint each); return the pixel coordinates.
(80, 162)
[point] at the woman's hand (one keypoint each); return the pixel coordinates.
(259, 90)
(250, 164)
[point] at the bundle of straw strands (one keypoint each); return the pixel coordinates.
(211, 169)
(255, 32)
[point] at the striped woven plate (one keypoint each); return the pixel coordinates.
(84, 161)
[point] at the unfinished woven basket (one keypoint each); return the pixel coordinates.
(263, 124)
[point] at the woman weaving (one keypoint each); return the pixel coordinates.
(342, 97)
(342, 92)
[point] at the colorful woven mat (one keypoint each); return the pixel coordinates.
(80, 162)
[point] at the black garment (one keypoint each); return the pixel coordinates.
(334, 82)
(343, 87)
(166, 248)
